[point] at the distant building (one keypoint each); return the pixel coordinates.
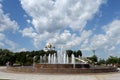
(49, 46)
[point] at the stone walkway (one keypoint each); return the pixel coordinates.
(23, 76)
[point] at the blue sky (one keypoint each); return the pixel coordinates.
(79, 24)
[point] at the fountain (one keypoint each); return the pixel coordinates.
(60, 63)
(61, 60)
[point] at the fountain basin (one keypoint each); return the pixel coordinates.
(62, 66)
(26, 69)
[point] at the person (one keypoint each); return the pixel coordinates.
(8, 64)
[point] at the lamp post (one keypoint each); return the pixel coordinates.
(94, 55)
(26, 59)
(34, 61)
(94, 51)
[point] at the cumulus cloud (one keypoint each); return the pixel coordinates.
(22, 49)
(40, 39)
(37, 38)
(50, 15)
(2, 37)
(6, 24)
(61, 38)
(110, 40)
(65, 38)
(78, 40)
(53, 15)
(52, 18)
(29, 32)
(5, 41)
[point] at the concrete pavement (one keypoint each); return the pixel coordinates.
(26, 76)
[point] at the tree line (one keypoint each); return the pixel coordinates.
(111, 60)
(26, 57)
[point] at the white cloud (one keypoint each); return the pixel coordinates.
(5, 22)
(2, 36)
(53, 15)
(65, 38)
(61, 38)
(22, 49)
(78, 40)
(41, 38)
(12, 45)
(110, 40)
(29, 32)
(1, 44)
(6, 43)
(51, 18)
(37, 38)
(28, 21)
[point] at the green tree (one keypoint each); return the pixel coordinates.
(94, 58)
(79, 53)
(21, 58)
(5, 56)
(69, 52)
(119, 61)
(112, 60)
(102, 61)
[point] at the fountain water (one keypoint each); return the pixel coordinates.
(73, 59)
(83, 61)
(60, 63)
(59, 58)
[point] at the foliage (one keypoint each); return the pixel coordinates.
(94, 58)
(69, 52)
(102, 61)
(112, 60)
(76, 53)
(119, 61)
(79, 53)
(26, 57)
(5, 56)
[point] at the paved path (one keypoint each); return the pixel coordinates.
(20, 76)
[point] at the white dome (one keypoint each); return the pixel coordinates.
(49, 45)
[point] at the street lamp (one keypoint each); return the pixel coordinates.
(34, 61)
(93, 51)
